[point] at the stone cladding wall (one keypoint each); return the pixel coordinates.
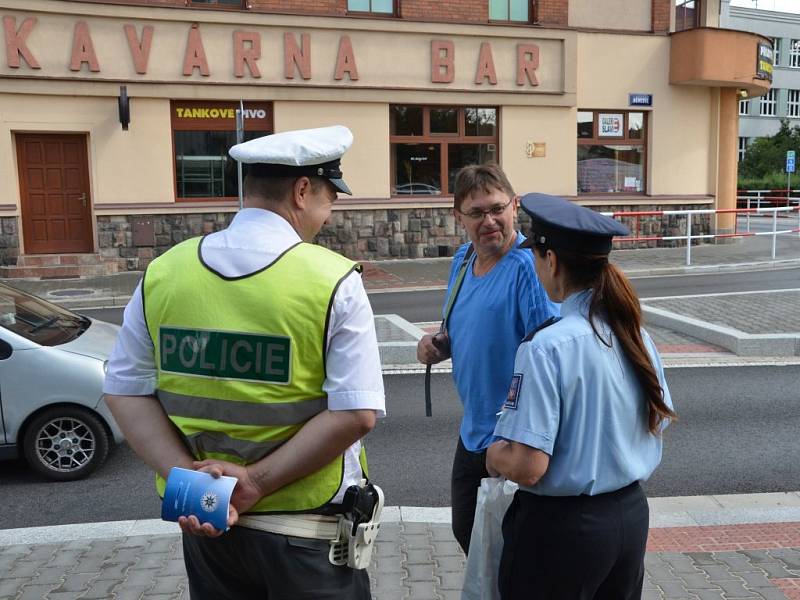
(359, 234)
(9, 240)
(375, 234)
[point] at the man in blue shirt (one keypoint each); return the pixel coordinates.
(500, 300)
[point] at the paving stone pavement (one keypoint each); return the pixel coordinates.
(757, 313)
(765, 574)
(412, 560)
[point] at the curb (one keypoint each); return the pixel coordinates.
(676, 511)
(740, 343)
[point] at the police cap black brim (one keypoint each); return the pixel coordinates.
(559, 223)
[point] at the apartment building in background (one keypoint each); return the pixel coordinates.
(760, 117)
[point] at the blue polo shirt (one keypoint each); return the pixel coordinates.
(579, 400)
(492, 315)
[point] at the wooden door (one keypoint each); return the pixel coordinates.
(54, 191)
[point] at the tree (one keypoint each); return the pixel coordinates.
(766, 157)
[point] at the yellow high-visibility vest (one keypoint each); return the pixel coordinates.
(241, 360)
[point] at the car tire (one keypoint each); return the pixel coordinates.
(65, 443)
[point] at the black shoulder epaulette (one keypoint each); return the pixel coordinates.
(544, 324)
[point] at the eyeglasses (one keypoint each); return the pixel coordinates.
(478, 214)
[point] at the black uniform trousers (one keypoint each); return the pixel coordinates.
(575, 547)
(468, 470)
(248, 564)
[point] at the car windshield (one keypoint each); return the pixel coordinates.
(38, 320)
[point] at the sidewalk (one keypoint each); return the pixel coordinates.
(700, 548)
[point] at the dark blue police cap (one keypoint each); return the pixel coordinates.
(559, 223)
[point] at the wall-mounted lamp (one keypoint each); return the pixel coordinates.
(124, 107)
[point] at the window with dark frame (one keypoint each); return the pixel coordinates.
(222, 3)
(202, 134)
(743, 143)
(429, 144)
(612, 152)
(518, 11)
(687, 14)
(380, 7)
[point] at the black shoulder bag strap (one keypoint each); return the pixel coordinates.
(443, 327)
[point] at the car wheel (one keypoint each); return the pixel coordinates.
(65, 443)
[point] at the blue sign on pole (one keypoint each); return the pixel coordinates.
(790, 166)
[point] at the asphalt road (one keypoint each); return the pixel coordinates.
(737, 434)
(426, 305)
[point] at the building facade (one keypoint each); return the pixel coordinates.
(600, 101)
(760, 117)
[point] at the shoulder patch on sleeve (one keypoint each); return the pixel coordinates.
(513, 392)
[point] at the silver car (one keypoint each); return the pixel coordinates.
(52, 364)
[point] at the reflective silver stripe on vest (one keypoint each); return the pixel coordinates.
(241, 413)
(215, 441)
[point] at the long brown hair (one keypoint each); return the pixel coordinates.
(615, 301)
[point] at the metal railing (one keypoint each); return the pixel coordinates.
(689, 236)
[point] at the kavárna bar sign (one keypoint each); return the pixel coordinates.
(225, 354)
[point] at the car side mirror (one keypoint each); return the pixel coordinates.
(5, 350)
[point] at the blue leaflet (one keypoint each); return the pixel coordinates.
(199, 494)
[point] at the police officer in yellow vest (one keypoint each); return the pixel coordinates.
(252, 353)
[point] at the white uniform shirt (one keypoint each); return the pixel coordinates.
(255, 239)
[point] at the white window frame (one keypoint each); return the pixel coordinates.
(794, 54)
(744, 107)
(776, 51)
(793, 104)
(768, 104)
(743, 143)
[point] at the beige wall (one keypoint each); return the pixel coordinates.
(366, 165)
(611, 14)
(124, 166)
(555, 127)
(377, 45)
(611, 67)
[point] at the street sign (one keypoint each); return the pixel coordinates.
(640, 99)
(790, 165)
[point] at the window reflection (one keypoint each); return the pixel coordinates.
(406, 120)
(417, 169)
(480, 121)
(203, 167)
(610, 168)
(444, 120)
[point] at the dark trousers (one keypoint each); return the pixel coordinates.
(246, 564)
(468, 470)
(575, 547)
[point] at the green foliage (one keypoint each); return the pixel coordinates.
(771, 181)
(765, 159)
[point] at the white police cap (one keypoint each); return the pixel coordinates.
(303, 152)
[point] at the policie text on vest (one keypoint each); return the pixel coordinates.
(225, 354)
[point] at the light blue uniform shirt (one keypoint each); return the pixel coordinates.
(491, 316)
(579, 401)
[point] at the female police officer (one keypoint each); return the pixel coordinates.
(582, 422)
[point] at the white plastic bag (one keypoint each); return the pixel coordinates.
(486, 544)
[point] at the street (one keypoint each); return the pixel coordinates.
(737, 433)
(425, 305)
